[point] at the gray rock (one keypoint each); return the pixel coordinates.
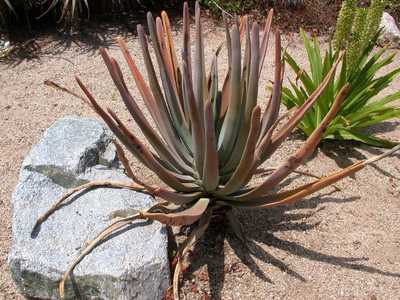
(390, 31)
(69, 147)
(133, 264)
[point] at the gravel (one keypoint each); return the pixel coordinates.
(334, 245)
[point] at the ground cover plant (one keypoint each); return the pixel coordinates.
(357, 31)
(209, 140)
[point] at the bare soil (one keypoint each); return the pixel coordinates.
(333, 245)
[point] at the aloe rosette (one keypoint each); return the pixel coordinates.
(208, 141)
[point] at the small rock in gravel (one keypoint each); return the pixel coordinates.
(390, 31)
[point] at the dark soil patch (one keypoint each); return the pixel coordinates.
(318, 16)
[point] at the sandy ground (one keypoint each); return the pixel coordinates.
(334, 245)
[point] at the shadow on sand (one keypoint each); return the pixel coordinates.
(88, 38)
(260, 227)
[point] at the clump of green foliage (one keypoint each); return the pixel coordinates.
(344, 23)
(209, 140)
(374, 16)
(356, 44)
(356, 27)
(357, 31)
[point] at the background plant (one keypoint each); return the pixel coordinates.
(357, 32)
(210, 140)
(72, 11)
(217, 7)
(344, 23)
(69, 11)
(357, 26)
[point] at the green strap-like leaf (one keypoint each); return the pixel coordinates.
(244, 167)
(376, 105)
(211, 164)
(363, 138)
(198, 139)
(282, 134)
(377, 117)
(230, 125)
(301, 73)
(249, 101)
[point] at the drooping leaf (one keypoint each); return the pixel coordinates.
(185, 217)
(191, 240)
(305, 151)
(364, 138)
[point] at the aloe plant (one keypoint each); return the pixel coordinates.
(363, 106)
(210, 140)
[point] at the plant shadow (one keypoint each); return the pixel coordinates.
(209, 252)
(100, 31)
(345, 153)
(383, 127)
